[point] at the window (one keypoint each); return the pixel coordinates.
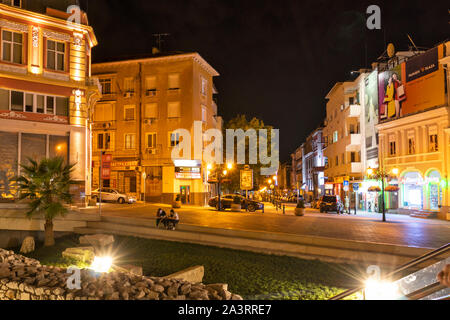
(174, 139)
(151, 140)
(55, 55)
(29, 102)
(351, 101)
(433, 140)
(337, 160)
(128, 85)
(151, 111)
(343, 158)
(173, 110)
(16, 101)
(62, 106)
(392, 146)
(411, 145)
(352, 129)
(150, 83)
(12, 44)
(353, 157)
(130, 141)
(335, 137)
(104, 141)
(4, 99)
(104, 112)
(204, 87)
(14, 3)
(106, 86)
(129, 113)
(174, 81)
(204, 113)
(50, 105)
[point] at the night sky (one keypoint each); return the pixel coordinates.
(277, 59)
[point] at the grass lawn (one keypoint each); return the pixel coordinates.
(252, 275)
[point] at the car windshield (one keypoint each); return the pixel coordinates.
(329, 199)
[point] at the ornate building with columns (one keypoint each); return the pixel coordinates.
(46, 92)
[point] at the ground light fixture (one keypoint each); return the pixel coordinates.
(381, 290)
(102, 264)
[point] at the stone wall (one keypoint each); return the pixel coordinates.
(23, 278)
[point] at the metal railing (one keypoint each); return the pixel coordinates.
(426, 291)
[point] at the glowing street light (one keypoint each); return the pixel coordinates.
(381, 290)
(395, 171)
(101, 264)
(230, 166)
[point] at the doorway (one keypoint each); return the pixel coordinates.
(185, 192)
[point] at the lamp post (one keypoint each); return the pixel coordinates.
(220, 172)
(381, 174)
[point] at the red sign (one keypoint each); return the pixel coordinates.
(106, 166)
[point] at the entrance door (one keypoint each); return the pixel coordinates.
(185, 192)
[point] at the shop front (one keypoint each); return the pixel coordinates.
(124, 177)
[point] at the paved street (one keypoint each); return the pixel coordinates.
(400, 230)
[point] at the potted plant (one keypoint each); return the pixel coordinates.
(236, 205)
(177, 203)
(300, 209)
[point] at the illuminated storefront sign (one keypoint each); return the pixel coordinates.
(187, 173)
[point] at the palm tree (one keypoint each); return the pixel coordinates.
(47, 185)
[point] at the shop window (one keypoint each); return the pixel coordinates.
(59, 147)
(56, 55)
(133, 184)
(9, 150)
(34, 146)
(12, 46)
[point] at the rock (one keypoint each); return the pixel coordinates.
(10, 294)
(140, 295)
(27, 245)
(152, 295)
(13, 285)
(157, 288)
(193, 274)
(218, 286)
(130, 269)
(199, 295)
(97, 240)
(25, 296)
(185, 288)
(5, 273)
(226, 295)
(236, 297)
(83, 254)
(172, 291)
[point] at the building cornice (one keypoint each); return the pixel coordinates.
(418, 117)
(45, 20)
(179, 57)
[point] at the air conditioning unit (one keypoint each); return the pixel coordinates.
(106, 125)
(150, 93)
(151, 151)
(148, 122)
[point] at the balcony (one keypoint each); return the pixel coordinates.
(353, 111)
(353, 142)
(356, 167)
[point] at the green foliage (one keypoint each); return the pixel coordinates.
(47, 185)
(301, 204)
(252, 275)
(241, 122)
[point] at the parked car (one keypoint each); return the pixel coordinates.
(227, 200)
(331, 204)
(111, 195)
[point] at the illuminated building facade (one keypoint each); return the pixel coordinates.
(46, 92)
(144, 101)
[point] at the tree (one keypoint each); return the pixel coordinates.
(47, 185)
(241, 122)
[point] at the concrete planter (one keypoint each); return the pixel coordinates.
(236, 207)
(299, 212)
(176, 204)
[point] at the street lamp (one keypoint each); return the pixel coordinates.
(219, 173)
(381, 174)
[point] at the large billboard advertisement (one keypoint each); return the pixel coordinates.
(371, 114)
(413, 86)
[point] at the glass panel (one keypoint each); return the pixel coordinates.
(8, 167)
(16, 101)
(7, 36)
(29, 105)
(59, 147)
(40, 104)
(33, 146)
(17, 54)
(17, 38)
(51, 45)
(60, 62)
(62, 106)
(50, 105)
(4, 99)
(51, 60)
(6, 51)
(60, 47)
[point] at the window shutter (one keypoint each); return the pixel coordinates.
(174, 110)
(174, 81)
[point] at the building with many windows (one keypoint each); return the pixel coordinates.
(414, 132)
(144, 101)
(46, 92)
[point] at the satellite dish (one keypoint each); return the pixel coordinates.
(390, 50)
